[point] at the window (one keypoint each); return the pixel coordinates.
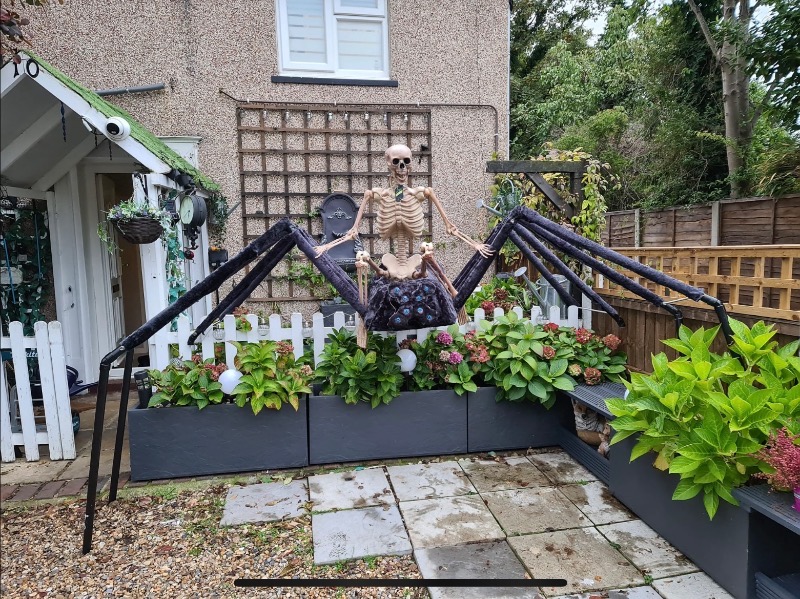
(333, 38)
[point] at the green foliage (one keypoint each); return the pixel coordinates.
(26, 245)
(705, 415)
(442, 362)
(271, 376)
(506, 293)
(356, 375)
(517, 366)
(192, 383)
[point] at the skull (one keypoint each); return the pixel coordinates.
(398, 160)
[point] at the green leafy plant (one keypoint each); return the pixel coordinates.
(271, 376)
(189, 383)
(356, 375)
(442, 362)
(520, 366)
(591, 357)
(505, 293)
(705, 415)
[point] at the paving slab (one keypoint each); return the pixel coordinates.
(596, 501)
(503, 473)
(354, 534)
(448, 521)
(560, 468)
(478, 560)
(424, 481)
(690, 586)
(631, 593)
(648, 551)
(525, 511)
(22, 472)
(268, 502)
(349, 490)
(580, 555)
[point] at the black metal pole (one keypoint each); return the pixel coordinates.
(123, 414)
(97, 442)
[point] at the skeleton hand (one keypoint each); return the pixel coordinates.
(483, 249)
(426, 249)
(349, 236)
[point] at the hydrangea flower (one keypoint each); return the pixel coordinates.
(488, 306)
(550, 327)
(444, 338)
(611, 341)
(583, 336)
(592, 376)
(575, 369)
(548, 353)
(444, 356)
(284, 348)
(456, 358)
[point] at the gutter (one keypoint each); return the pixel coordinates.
(130, 90)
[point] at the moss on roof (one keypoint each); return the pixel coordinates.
(138, 131)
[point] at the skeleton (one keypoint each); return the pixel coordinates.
(400, 218)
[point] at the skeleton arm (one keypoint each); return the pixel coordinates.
(353, 232)
(485, 250)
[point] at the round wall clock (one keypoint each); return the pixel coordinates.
(193, 211)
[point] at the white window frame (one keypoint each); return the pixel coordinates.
(333, 11)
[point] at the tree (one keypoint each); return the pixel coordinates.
(13, 24)
(741, 52)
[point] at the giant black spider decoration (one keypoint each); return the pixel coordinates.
(384, 310)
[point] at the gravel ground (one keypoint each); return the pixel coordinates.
(168, 543)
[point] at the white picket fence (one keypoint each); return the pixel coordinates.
(165, 341)
(57, 430)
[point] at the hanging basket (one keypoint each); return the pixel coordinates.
(139, 230)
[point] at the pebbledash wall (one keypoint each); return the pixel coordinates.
(442, 53)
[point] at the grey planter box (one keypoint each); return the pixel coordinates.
(494, 426)
(178, 442)
(414, 424)
(731, 548)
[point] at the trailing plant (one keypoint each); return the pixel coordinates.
(505, 293)
(189, 383)
(357, 375)
(130, 209)
(442, 362)
(704, 415)
(271, 376)
(521, 365)
(218, 211)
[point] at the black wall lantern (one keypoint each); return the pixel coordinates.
(217, 257)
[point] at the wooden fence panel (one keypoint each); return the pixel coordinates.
(787, 221)
(747, 223)
(621, 229)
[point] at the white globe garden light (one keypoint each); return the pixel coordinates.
(408, 360)
(229, 379)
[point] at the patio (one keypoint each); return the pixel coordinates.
(512, 515)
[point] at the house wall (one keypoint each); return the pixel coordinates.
(440, 53)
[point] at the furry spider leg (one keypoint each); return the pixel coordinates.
(303, 240)
(520, 231)
(540, 267)
(694, 293)
(609, 272)
(242, 290)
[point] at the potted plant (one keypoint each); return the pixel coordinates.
(139, 222)
(703, 418)
(516, 406)
(230, 431)
(360, 411)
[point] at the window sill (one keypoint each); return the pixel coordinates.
(334, 81)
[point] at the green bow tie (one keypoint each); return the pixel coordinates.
(398, 193)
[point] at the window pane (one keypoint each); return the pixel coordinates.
(360, 45)
(307, 31)
(359, 4)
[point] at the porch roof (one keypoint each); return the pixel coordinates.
(44, 135)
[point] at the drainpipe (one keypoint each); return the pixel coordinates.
(130, 90)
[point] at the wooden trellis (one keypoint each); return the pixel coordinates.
(293, 155)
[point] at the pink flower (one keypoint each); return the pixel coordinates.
(548, 352)
(500, 295)
(444, 338)
(444, 356)
(550, 327)
(284, 348)
(488, 306)
(456, 358)
(592, 376)
(306, 370)
(575, 369)
(784, 456)
(611, 342)
(407, 343)
(583, 336)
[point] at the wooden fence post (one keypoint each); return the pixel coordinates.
(715, 223)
